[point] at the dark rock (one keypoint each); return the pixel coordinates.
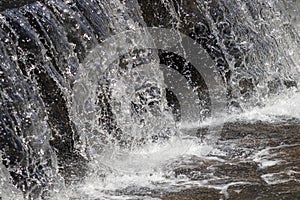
(201, 193)
(11, 4)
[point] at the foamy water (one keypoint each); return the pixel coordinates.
(117, 173)
(284, 106)
(144, 167)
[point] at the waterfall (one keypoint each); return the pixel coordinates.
(84, 82)
(253, 42)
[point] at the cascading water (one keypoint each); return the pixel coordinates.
(95, 105)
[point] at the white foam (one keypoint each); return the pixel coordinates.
(280, 177)
(7, 190)
(265, 159)
(142, 167)
(279, 107)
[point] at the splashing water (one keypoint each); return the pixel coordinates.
(66, 91)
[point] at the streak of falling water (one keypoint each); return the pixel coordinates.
(261, 69)
(260, 42)
(121, 108)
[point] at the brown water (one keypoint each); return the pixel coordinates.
(274, 173)
(260, 161)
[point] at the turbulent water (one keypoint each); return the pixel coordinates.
(91, 108)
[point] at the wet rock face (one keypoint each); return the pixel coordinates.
(42, 45)
(10, 4)
(191, 19)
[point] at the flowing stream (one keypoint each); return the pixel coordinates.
(145, 99)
